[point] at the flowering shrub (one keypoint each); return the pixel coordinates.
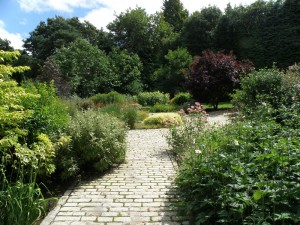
(182, 138)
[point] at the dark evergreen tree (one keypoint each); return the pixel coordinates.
(174, 13)
(5, 45)
(199, 30)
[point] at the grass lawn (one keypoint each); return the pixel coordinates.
(221, 106)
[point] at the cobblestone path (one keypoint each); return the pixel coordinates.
(140, 191)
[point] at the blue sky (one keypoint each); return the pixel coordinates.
(20, 17)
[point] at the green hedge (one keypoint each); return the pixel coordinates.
(152, 98)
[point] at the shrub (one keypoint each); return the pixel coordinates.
(164, 119)
(25, 153)
(267, 89)
(112, 97)
(151, 98)
(49, 113)
(130, 116)
(183, 137)
(263, 86)
(213, 76)
(244, 173)
(162, 108)
(128, 113)
(141, 115)
(181, 98)
(96, 141)
(112, 109)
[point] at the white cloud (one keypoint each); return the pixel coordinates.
(23, 21)
(57, 5)
(104, 11)
(15, 39)
(99, 17)
(102, 16)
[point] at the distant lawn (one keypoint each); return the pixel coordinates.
(221, 106)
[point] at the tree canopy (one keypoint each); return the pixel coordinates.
(213, 76)
(263, 32)
(174, 13)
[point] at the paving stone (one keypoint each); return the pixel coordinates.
(138, 192)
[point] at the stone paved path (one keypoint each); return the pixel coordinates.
(140, 191)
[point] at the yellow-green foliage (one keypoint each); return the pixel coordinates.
(164, 119)
(15, 151)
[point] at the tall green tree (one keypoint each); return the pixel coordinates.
(86, 68)
(142, 34)
(199, 30)
(131, 30)
(5, 45)
(171, 75)
(174, 13)
(282, 34)
(264, 32)
(48, 37)
(127, 68)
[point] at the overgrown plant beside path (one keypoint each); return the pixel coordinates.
(24, 154)
(246, 172)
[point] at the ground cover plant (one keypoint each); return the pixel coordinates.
(246, 172)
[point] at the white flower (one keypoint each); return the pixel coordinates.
(197, 151)
(236, 142)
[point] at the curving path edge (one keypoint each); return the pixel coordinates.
(140, 191)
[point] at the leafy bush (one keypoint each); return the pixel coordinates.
(244, 173)
(130, 116)
(268, 89)
(95, 141)
(163, 108)
(181, 98)
(25, 153)
(264, 86)
(164, 119)
(112, 97)
(128, 113)
(151, 98)
(49, 113)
